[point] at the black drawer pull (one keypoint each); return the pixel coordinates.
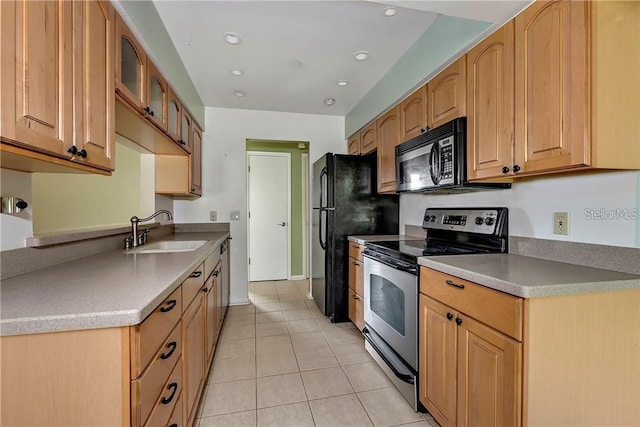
(172, 347)
(173, 386)
(170, 305)
(356, 263)
(173, 425)
(196, 274)
(216, 273)
(454, 284)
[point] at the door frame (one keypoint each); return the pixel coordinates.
(288, 189)
(304, 159)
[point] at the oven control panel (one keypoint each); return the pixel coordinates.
(481, 221)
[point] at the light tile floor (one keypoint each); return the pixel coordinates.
(280, 362)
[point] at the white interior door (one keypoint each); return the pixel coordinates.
(269, 199)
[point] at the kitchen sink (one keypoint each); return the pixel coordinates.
(168, 246)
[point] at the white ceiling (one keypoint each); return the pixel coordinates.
(323, 35)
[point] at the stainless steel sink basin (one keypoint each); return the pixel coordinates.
(168, 246)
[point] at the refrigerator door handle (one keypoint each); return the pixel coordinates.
(323, 174)
(323, 243)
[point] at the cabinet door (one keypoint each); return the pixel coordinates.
(437, 359)
(193, 351)
(490, 116)
(174, 116)
(353, 145)
(552, 99)
(131, 61)
(94, 86)
(157, 96)
(446, 94)
(368, 139)
(488, 376)
(388, 131)
(211, 317)
(186, 136)
(195, 162)
(413, 114)
(37, 92)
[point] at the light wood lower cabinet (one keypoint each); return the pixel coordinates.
(575, 363)
(356, 285)
(144, 375)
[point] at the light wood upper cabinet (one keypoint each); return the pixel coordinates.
(195, 162)
(446, 94)
(131, 65)
(368, 139)
(93, 63)
(57, 84)
(174, 116)
(490, 114)
(157, 97)
(388, 132)
(551, 86)
(353, 144)
(413, 114)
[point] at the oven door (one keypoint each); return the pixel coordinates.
(391, 308)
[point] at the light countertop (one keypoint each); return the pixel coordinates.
(530, 277)
(110, 289)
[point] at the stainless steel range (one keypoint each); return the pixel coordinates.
(391, 283)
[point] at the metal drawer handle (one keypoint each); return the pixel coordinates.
(172, 347)
(454, 284)
(173, 386)
(170, 305)
(196, 274)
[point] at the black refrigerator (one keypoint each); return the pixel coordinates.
(345, 202)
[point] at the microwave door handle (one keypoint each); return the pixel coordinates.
(434, 163)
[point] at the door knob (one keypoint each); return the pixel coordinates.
(282, 224)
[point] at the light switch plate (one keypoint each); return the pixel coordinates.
(561, 223)
(213, 216)
(234, 215)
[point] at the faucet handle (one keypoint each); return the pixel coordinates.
(142, 237)
(128, 242)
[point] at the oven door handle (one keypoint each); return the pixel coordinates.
(410, 270)
(406, 377)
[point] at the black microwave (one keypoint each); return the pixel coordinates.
(436, 161)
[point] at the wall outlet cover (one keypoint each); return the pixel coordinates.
(561, 223)
(213, 216)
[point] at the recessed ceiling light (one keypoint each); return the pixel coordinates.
(390, 11)
(296, 63)
(342, 83)
(240, 93)
(329, 102)
(237, 72)
(361, 55)
(232, 38)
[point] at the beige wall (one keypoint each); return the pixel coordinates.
(66, 202)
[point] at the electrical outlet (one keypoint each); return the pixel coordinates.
(213, 216)
(561, 223)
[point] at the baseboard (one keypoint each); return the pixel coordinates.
(242, 301)
(309, 296)
(299, 277)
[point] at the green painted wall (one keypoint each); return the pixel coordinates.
(444, 39)
(147, 21)
(296, 192)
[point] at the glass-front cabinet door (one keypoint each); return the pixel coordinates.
(174, 116)
(186, 137)
(130, 66)
(157, 96)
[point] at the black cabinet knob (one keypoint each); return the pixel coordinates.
(516, 168)
(72, 150)
(21, 204)
(82, 153)
(505, 169)
(147, 110)
(449, 316)
(458, 321)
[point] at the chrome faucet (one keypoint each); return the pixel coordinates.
(136, 239)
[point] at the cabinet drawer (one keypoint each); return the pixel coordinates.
(494, 308)
(169, 399)
(191, 286)
(211, 262)
(355, 250)
(146, 389)
(147, 337)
